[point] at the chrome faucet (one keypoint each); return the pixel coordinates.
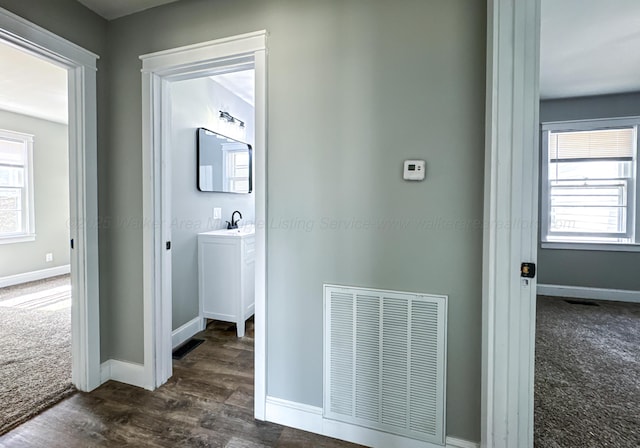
(234, 223)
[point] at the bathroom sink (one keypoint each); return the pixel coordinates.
(240, 231)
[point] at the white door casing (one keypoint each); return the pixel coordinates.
(83, 185)
(511, 215)
(158, 70)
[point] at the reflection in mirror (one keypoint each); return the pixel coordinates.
(224, 164)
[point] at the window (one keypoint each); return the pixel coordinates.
(589, 186)
(237, 167)
(16, 192)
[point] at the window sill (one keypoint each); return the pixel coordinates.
(17, 239)
(608, 247)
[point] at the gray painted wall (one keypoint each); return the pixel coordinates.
(51, 197)
(355, 87)
(195, 104)
(595, 269)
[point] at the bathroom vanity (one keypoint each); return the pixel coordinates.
(226, 275)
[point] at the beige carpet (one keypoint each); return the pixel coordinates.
(35, 349)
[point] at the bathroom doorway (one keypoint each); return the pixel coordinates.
(212, 126)
(197, 71)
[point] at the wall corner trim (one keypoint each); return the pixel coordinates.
(187, 331)
(124, 372)
(581, 292)
(26, 277)
(309, 418)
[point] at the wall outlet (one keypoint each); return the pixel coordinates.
(48, 257)
(217, 213)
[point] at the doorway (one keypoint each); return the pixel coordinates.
(160, 70)
(511, 212)
(80, 67)
(586, 370)
(35, 286)
(212, 128)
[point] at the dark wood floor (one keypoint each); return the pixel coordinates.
(207, 403)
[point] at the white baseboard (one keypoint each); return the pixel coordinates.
(32, 276)
(579, 292)
(187, 331)
(452, 442)
(123, 372)
(105, 371)
(309, 418)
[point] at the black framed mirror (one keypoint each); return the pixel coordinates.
(224, 164)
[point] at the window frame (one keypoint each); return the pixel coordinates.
(28, 232)
(229, 165)
(632, 191)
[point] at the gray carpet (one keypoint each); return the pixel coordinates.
(35, 349)
(587, 386)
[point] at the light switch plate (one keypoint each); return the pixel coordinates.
(217, 213)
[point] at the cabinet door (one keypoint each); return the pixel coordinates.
(220, 279)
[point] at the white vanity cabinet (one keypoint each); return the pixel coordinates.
(226, 275)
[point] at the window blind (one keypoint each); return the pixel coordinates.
(603, 144)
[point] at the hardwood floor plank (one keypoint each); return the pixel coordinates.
(236, 442)
(208, 402)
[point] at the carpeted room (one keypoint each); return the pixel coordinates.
(35, 348)
(587, 373)
(588, 312)
(35, 290)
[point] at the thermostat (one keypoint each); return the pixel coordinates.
(414, 169)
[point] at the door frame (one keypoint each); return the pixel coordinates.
(158, 71)
(511, 222)
(83, 185)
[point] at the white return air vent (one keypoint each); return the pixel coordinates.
(384, 361)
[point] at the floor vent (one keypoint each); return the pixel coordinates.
(581, 302)
(186, 348)
(384, 361)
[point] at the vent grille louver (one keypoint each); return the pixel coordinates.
(385, 360)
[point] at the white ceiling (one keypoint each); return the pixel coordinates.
(32, 86)
(241, 83)
(589, 47)
(112, 9)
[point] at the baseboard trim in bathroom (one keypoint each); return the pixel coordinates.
(183, 350)
(182, 334)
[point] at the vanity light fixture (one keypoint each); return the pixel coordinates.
(226, 116)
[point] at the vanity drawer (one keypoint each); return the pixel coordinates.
(249, 247)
